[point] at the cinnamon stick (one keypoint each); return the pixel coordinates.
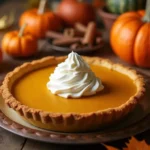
(54, 35)
(66, 41)
(71, 32)
(82, 28)
(90, 34)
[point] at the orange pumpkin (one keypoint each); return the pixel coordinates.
(130, 37)
(17, 44)
(73, 11)
(40, 21)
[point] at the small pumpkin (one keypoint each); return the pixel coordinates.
(19, 44)
(130, 37)
(40, 21)
(73, 11)
(121, 6)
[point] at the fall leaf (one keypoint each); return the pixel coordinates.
(133, 144)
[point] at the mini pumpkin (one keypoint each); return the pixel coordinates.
(130, 37)
(73, 11)
(19, 44)
(40, 21)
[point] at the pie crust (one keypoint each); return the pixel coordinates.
(71, 122)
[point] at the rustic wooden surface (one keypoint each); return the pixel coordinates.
(9, 141)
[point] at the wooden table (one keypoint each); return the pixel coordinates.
(9, 141)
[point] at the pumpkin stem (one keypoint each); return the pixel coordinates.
(42, 6)
(21, 31)
(146, 18)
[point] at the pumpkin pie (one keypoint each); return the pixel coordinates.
(25, 91)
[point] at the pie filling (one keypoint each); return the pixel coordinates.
(31, 90)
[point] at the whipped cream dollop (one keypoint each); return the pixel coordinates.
(74, 78)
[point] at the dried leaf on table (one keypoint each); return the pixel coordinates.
(133, 144)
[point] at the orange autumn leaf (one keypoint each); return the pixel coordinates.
(134, 144)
